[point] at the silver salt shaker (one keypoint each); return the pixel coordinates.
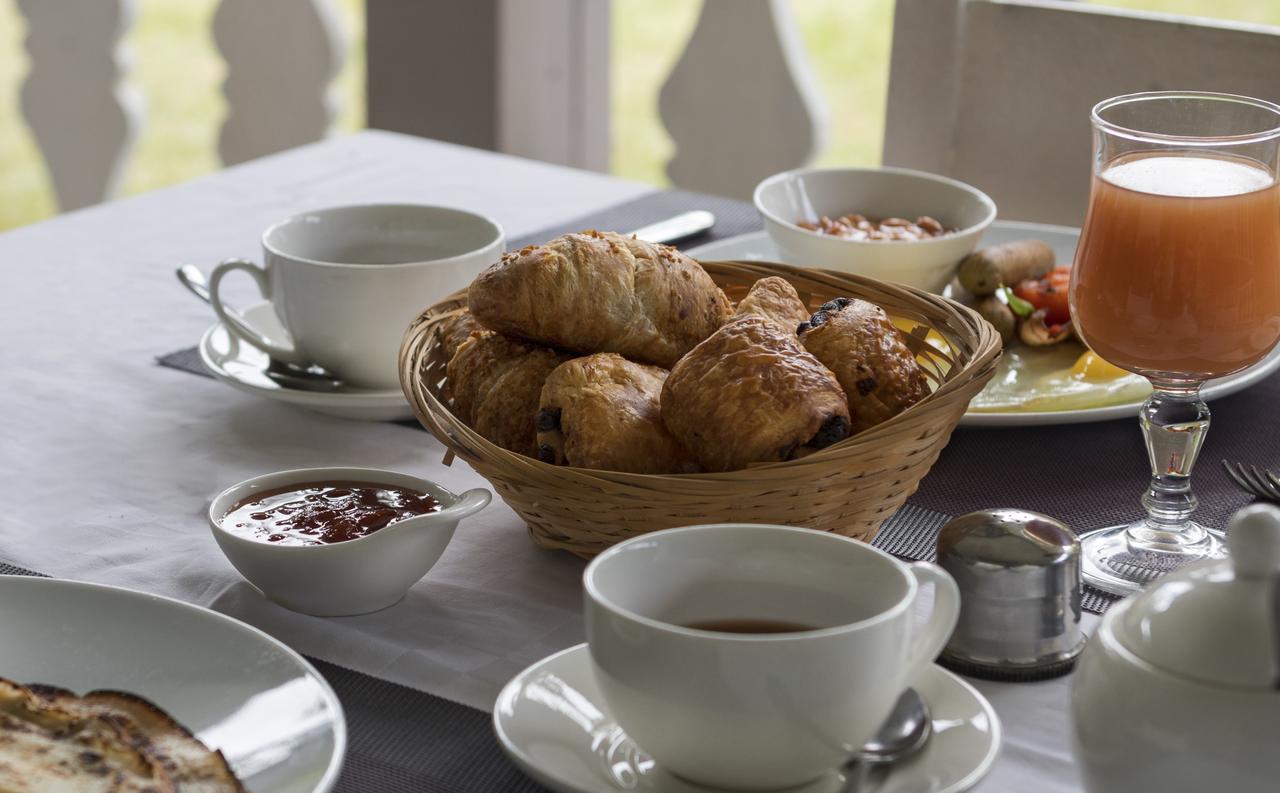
(1019, 579)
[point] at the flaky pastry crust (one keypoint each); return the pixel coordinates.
(495, 383)
(776, 299)
(603, 411)
(601, 292)
(751, 394)
(877, 370)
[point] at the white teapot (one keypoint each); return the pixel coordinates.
(1178, 691)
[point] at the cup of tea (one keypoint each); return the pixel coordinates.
(758, 657)
(346, 282)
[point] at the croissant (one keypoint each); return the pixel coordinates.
(750, 394)
(877, 370)
(455, 330)
(776, 299)
(601, 292)
(604, 412)
(495, 383)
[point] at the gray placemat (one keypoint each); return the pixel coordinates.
(401, 740)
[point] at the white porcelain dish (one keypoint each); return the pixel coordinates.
(757, 246)
(807, 194)
(274, 717)
(353, 577)
(551, 719)
(241, 366)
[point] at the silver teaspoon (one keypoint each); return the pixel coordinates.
(307, 378)
(904, 732)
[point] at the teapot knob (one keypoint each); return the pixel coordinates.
(1253, 538)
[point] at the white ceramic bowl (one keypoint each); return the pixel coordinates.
(807, 194)
(344, 578)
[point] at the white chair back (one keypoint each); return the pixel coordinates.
(997, 93)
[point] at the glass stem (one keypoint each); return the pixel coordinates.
(1174, 422)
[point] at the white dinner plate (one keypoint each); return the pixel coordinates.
(758, 247)
(552, 721)
(241, 366)
(274, 717)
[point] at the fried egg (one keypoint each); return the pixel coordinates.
(1064, 376)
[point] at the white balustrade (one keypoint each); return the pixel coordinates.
(281, 58)
(83, 114)
(994, 92)
(741, 103)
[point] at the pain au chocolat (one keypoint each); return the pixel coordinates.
(603, 411)
(869, 356)
(751, 394)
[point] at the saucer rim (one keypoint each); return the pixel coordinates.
(370, 397)
(980, 771)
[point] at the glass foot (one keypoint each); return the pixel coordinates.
(1123, 559)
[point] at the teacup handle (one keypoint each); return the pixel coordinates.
(933, 634)
(232, 319)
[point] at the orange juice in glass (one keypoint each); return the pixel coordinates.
(1176, 278)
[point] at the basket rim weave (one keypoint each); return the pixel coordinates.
(978, 342)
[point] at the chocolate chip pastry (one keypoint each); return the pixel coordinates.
(601, 292)
(875, 367)
(603, 411)
(495, 383)
(751, 394)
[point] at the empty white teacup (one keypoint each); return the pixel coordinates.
(665, 615)
(346, 282)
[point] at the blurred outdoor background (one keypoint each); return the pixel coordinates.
(179, 71)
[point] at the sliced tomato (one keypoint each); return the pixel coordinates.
(1049, 293)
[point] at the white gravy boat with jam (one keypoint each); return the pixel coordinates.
(355, 576)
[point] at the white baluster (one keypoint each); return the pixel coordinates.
(83, 115)
(281, 59)
(741, 103)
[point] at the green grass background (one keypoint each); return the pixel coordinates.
(178, 70)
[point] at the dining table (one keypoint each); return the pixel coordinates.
(110, 458)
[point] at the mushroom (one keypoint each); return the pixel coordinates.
(1035, 333)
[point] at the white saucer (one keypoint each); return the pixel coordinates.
(241, 366)
(552, 721)
(757, 246)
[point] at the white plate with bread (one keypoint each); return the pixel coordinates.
(155, 694)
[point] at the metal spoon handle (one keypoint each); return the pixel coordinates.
(193, 279)
(190, 276)
(677, 228)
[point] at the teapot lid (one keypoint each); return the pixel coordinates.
(1217, 622)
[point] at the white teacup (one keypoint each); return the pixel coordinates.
(758, 710)
(346, 282)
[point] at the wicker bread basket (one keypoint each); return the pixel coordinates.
(850, 487)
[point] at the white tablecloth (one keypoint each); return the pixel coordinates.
(108, 460)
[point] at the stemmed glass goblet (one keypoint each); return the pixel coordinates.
(1176, 278)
